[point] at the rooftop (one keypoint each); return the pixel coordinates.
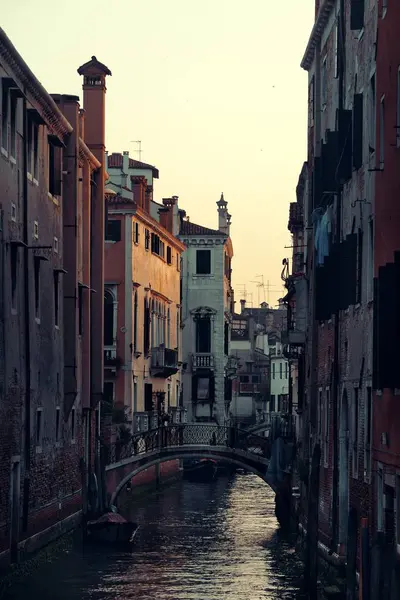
(115, 161)
(189, 228)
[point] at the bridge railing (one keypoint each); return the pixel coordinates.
(188, 434)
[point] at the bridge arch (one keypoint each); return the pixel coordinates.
(256, 465)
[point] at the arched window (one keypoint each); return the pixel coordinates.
(108, 318)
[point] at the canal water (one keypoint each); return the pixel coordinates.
(197, 541)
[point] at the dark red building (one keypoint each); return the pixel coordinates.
(386, 353)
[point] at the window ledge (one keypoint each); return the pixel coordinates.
(361, 34)
(37, 320)
(35, 181)
(205, 275)
(4, 152)
(13, 160)
(57, 327)
(110, 241)
(54, 199)
(29, 176)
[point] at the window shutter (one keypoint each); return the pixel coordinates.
(358, 121)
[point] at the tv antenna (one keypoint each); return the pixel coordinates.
(139, 151)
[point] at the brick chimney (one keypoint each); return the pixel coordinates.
(139, 186)
(169, 215)
(94, 102)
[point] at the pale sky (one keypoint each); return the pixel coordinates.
(213, 89)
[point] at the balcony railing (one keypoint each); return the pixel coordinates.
(164, 362)
(144, 421)
(111, 360)
(203, 361)
(249, 388)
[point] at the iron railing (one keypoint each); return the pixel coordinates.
(189, 434)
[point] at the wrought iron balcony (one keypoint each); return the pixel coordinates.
(164, 362)
(202, 360)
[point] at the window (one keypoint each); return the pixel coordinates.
(203, 335)
(35, 230)
(14, 274)
(148, 397)
(73, 424)
(177, 327)
(370, 282)
(273, 370)
(203, 262)
(13, 125)
(358, 124)
(177, 398)
(146, 325)
(108, 394)
(4, 114)
(162, 249)
(311, 95)
(356, 15)
(379, 504)
(226, 339)
(108, 318)
(324, 84)
(136, 233)
(272, 403)
(169, 255)
(355, 432)
(280, 370)
(57, 424)
(54, 165)
(337, 46)
(134, 395)
(147, 239)
(372, 115)
(135, 318)
(368, 435)
(382, 134)
(326, 426)
(56, 297)
(113, 232)
(384, 8)
(398, 108)
(286, 370)
(33, 150)
(39, 427)
(155, 243)
(80, 309)
(168, 329)
(398, 510)
(36, 263)
(359, 265)
(320, 409)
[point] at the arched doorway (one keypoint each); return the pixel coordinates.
(343, 469)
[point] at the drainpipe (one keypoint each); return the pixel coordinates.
(27, 319)
(336, 365)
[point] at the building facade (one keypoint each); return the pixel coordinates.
(207, 307)
(48, 393)
(332, 274)
(249, 347)
(143, 335)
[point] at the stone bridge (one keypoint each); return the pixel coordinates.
(186, 440)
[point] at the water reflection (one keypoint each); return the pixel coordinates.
(196, 542)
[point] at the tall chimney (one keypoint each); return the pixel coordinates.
(94, 102)
(125, 161)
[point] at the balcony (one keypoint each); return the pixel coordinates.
(249, 389)
(202, 360)
(164, 362)
(111, 360)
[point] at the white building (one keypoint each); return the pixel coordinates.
(279, 376)
(207, 303)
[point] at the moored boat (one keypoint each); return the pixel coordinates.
(111, 528)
